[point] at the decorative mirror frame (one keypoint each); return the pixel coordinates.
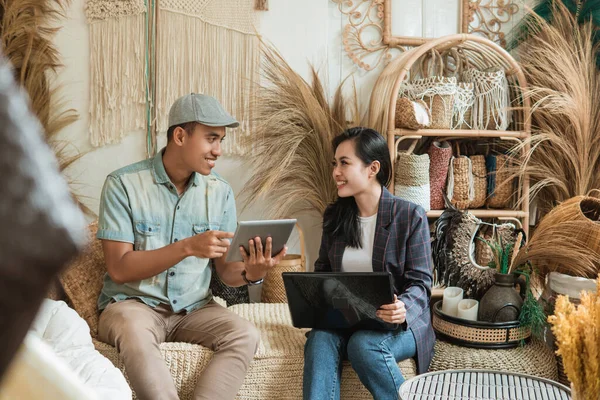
(395, 41)
(481, 17)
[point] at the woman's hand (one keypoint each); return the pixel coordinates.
(394, 313)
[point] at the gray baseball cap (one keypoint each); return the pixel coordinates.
(195, 107)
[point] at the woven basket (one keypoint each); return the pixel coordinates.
(437, 91)
(478, 334)
(483, 252)
(500, 188)
(273, 289)
(406, 115)
(492, 98)
(479, 172)
(460, 181)
(579, 208)
(463, 106)
(440, 154)
(411, 177)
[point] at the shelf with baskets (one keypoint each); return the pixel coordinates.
(483, 55)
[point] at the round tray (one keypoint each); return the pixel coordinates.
(478, 334)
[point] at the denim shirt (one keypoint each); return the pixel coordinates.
(140, 205)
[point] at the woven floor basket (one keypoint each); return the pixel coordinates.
(478, 334)
(273, 290)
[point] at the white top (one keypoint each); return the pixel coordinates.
(361, 260)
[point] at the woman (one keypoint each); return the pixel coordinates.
(369, 229)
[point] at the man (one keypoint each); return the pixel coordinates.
(161, 222)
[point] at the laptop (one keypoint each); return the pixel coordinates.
(342, 300)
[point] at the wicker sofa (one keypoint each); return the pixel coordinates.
(276, 372)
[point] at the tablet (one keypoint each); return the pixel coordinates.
(278, 230)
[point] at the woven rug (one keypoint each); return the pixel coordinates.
(203, 46)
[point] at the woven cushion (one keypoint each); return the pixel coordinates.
(534, 358)
(82, 280)
(275, 373)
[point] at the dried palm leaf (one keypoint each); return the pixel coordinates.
(26, 33)
(559, 61)
(292, 153)
(582, 11)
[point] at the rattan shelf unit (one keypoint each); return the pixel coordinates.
(482, 54)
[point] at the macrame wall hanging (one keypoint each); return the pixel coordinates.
(145, 54)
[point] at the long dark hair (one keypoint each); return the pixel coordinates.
(341, 218)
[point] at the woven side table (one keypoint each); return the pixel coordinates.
(481, 385)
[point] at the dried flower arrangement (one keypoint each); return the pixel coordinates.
(577, 332)
(26, 35)
(291, 144)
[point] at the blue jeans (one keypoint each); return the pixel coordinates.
(373, 354)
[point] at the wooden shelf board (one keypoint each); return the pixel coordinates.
(463, 133)
(485, 213)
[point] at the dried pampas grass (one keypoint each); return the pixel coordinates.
(26, 34)
(577, 332)
(559, 61)
(291, 145)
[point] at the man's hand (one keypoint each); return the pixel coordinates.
(259, 261)
(210, 244)
(394, 313)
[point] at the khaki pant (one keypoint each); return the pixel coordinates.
(137, 330)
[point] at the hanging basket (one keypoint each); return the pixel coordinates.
(463, 106)
(273, 290)
(440, 154)
(492, 98)
(411, 177)
(455, 63)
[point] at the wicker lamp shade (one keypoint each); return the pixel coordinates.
(273, 290)
(579, 208)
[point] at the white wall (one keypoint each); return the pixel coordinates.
(303, 31)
